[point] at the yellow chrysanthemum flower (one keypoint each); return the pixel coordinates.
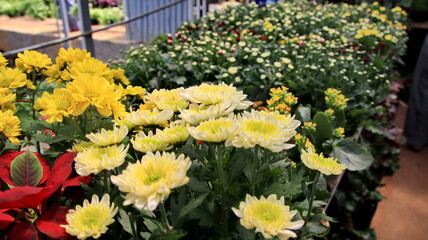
(269, 216)
(3, 61)
(215, 130)
(149, 181)
(91, 90)
(32, 61)
(124, 121)
(211, 94)
(9, 126)
(97, 159)
(167, 99)
(150, 117)
(320, 163)
(174, 134)
(6, 100)
(256, 128)
(108, 137)
(91, 66)
(119, 74)
(91, 219)
(81, 146)
(57, 105)
(131, 90)
(71, 55)
(149, 143)
(12, 78)
(53, 73)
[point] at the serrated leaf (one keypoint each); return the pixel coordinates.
(352, 154)
(324, 128)
(26, 170)
(125, 222)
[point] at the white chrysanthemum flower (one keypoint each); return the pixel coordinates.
(215, 130)
(149, 181)
(167, 99)
(97, 159)
(91, 219)
(148, 117)
(210, 94)
(256, 128)
(149, 143)
(105, 137)
(174, 134)
(269, 216)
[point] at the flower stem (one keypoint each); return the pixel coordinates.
(134, 232)
(311, 199)
(255, 166)
(33, 101)
(106, 181)
(220, 171)
(164, 217)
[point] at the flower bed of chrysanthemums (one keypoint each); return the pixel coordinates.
(85, 154)
(307, 47)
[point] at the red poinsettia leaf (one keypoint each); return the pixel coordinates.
(61, 170)
(26, 170)
(50, 221)
(77, 180)
(7, 157)
(24, 231)
(23, 197)
(5, 220)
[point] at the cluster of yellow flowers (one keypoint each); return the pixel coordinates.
(334, 99)
(10, 80)
(281, 100)
(88, 82)
(366, 32)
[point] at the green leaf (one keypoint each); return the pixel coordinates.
(352, 154)
(26, 170)
(324, 128)
(303, 113)
(124, 221)
(194, 203)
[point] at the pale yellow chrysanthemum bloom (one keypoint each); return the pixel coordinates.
(90, 66)
(269, 216)
(32, 60)
(215, 130)
(81, 146)
(57, 105)
(256, 128)
(3, 61)
(9, 126)
(211, 94)
(150, 117)
(71, 55)
(12, 78)
(149, 181)
(174, 134)
(91, 219)
(198, 113)
(90, 90)
(97, 159)
(289, 122)
(167, 99)
(320, 163)
(149, 143)
(108, 137)
(6, 100)
(124, 121)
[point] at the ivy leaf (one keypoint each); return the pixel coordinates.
(352, 154)
(26, 170)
